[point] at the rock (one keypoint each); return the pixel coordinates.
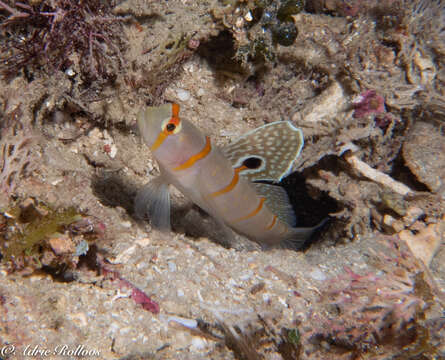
(330, 103)
(422, 70)
(424, 154)
(61, 245)
(182, 94)
(426, 242)
(317, 274)
(393, 201)
(392, 224)
(412, 215)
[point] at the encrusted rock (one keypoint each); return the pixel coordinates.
(392, 224)
(412, 215)
(61, 245)
(426, 242)
(424, 154)
(331, 102)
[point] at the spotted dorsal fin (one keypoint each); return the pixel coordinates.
(277, 201)
(267, 152)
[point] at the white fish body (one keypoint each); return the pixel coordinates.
(221, 181)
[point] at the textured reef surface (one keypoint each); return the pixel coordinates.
(364, 80)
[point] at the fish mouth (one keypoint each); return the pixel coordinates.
(143, 123)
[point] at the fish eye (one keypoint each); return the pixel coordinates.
(252, 163)
(170, 127)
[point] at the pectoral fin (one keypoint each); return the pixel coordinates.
(153, 202)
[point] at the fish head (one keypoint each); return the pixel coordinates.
(172, 140)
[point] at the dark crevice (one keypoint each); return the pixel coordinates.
(147, 19)
(59, 274)
(89, 260)
(311, 205)
(65, 274)
(93, 163)
(219, 51)
(309, 211)
(403, 174)
(393, 45)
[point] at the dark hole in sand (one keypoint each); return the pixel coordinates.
(219, 51)
(312, 206)
(309, 211)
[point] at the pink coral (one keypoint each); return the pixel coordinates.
(137, 295)
(369, 313)
(369, 103)
(145, 301)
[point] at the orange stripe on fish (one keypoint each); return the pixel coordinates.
(253, 213)
(193, 159)
(175, 115)
(274, 220)
(175, 120)
(232, 184)
(159, 140)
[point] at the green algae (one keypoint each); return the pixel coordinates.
(289, 8)
(26, 233)
(294, 337)
(272, 24)
(285, 34)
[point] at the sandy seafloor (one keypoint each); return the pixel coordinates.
(365, 83)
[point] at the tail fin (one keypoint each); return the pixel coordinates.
(153, 202)
(298, 237)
